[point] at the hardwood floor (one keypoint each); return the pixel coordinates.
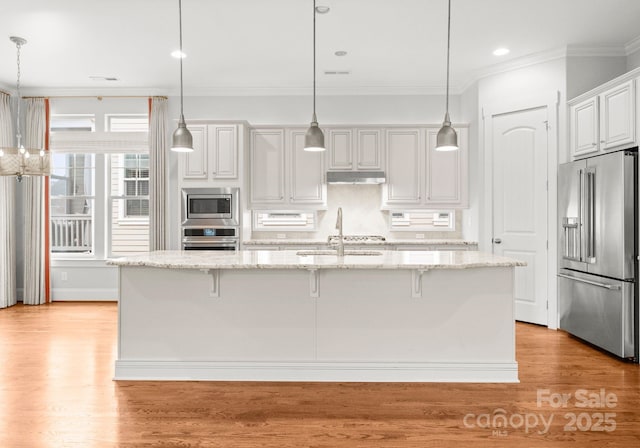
(56, 365)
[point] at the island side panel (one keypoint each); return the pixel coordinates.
(463, 316)
(260, 315)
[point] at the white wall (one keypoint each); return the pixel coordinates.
(633, 60)
(585, 73)
(532, 86)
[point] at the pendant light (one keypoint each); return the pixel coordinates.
(20, 161)
(182, 140)
(447, 139)
(314, 138)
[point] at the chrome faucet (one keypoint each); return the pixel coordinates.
(340, 237)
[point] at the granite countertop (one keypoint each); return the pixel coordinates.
(388, 242)
(289, 259)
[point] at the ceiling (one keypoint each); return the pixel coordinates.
(259, 46)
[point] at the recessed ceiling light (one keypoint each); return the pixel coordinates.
(179, 54)
(340, 53)
(501, 51)
(322, 9)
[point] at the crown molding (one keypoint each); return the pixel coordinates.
(78, 92)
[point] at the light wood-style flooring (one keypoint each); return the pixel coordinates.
(56, 390)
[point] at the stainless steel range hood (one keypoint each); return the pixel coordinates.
(356, 177)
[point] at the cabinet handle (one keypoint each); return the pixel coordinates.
(601, 141)
(593, 144)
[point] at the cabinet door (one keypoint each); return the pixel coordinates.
(405, 150)
(306, 172)
(370, 153)
(584, 127)
(617, 116)
(195, 163)
(267, 166)
(340, 149)
(223, 150)
(446, 173)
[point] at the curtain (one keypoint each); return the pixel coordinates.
(157, 176)
(7, 213)
(34, 205)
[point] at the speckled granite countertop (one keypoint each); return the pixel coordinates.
(388, 242)
(289, 259)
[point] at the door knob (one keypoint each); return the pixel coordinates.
(496, 241)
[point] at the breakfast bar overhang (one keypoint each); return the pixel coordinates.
(441, 316)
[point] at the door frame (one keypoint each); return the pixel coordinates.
(552, 102)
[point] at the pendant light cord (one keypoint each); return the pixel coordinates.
(314, 60)
(19, 97)
(181, 57)
(448, 50)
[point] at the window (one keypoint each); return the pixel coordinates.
(136, 185)
(99, 187)
(72, 203)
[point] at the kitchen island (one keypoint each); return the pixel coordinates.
(311, 316)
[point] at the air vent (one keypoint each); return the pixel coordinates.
(103, 78)
(337, 72)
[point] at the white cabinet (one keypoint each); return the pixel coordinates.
(420, 177)
(446, 183)
(617, 116)
(215, 154)
(306, 175)
(282, 173)
(604, 118)
(405, 155)
(352, 149)
(267, 166)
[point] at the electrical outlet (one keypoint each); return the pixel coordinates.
(63, 276)
(420, 236)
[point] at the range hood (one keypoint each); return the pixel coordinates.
(355, 177)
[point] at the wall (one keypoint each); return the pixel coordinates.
(633, 60)
(82, 277)
(585, 73)
(531, 86)
(469, 114)
(296, 110)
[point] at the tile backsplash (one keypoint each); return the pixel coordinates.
(361, 215)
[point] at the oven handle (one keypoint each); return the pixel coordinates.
(589, 282)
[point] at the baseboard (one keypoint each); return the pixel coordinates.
(84, 294)
(317, 371)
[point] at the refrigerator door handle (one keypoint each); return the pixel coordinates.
(591, 217)
(589, 282)
(581, 202)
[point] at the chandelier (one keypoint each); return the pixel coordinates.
(20, 161)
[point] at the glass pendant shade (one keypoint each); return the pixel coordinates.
(314, 138)
(182, 140)
(447, 139)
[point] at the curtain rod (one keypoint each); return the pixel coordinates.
(99, 97)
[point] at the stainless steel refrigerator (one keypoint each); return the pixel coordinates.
(598, 266)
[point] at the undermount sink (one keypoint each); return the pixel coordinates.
(305, 253)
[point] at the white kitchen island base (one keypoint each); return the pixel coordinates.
(317, 324)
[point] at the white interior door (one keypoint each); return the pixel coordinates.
(519, 154)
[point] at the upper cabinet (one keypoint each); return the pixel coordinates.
(354, 149)
(215, 155)
(605, 118)
(447, 173)
(420, 177)
(282, 174)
